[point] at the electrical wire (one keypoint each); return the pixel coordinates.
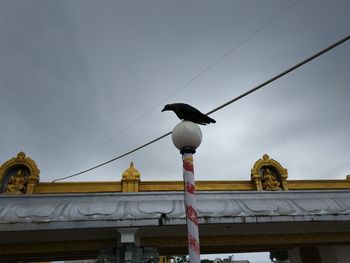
(221, 106)
(281, 74)
(200, 73)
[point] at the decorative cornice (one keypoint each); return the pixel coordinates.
(162, 186)
(177, 186)
(140, 209)
(78, 187)
(159, 186)
(318, 184)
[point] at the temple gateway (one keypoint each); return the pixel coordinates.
(130, 220)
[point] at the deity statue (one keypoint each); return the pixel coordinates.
(269, 181)
(17, 184)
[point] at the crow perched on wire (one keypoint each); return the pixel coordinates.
(188, 113)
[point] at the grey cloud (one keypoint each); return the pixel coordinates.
(74, 74)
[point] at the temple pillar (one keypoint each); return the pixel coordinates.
(343, 253)
(110, 256)
(280, 256)
(294, 255)
(335, 254)
(132, 252)
(164, 259)
(328, 254)
(312, 255)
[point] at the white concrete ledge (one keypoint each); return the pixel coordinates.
(40, 212)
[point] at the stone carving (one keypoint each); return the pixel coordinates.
(23, 182)
(17, 184)
(269, 175)
(270, 180)
(141, 209)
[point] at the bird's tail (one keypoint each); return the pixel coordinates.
(210, 120)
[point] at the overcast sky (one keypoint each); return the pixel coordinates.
(84, 81)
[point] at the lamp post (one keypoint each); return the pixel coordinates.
(187, 136)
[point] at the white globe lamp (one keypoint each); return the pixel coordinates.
(187, 136)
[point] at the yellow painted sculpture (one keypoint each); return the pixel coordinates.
(17, 184)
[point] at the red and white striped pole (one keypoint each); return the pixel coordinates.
(191, 210)
(187, 136)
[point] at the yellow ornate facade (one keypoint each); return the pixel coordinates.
(20, 175)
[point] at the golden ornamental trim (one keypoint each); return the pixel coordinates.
(177, 186)
(78, 187)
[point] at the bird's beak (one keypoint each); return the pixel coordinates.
(164, 109)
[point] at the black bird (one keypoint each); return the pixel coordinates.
(188, 113)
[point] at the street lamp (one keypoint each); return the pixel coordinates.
(187, 136)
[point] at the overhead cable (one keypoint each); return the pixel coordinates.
(219, 107)
(200, 73)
